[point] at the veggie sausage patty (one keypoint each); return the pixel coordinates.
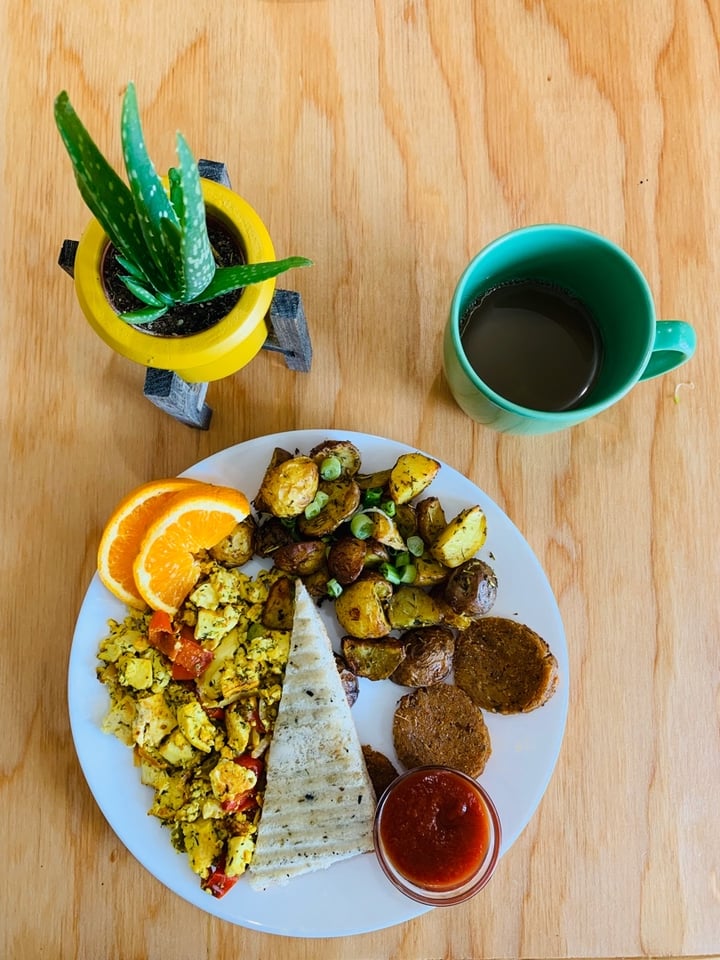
(504, 666)
(441, 724)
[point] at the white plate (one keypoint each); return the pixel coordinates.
(353, 896)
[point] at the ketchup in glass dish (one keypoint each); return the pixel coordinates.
(437, 835)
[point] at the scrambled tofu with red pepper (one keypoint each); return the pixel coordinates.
(196, 698)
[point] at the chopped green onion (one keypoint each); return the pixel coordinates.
(408, 574)
(402, 559)
(416, 546)
(372, 496)
(361, 526)
(333, 588)
(388, 571)
(331, 468)
(388, 507)
(314, 508)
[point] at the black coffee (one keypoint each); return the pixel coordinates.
(533, 343)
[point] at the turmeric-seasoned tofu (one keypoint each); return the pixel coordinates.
(229, 779)
(153, 721)
(196, 726)
(203, 844)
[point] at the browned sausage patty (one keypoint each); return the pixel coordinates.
(441, 724)
(504, 666)
(380, 770)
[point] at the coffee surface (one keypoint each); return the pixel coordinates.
(533, 343)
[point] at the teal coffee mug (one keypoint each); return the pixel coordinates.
(550, 325)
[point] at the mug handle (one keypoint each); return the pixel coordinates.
(674, 344)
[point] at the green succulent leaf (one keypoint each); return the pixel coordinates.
(144, 315)
(176, 193)
(141, 291)
(132, 268)
(108, 198)
(197, 256)
(227, 279)
(151, 201)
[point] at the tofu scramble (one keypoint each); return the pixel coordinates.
(200, 741)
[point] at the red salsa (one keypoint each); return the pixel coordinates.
(435, 829)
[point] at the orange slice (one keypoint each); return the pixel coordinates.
(166, 567)
(124, 531)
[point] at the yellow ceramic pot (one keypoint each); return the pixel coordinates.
(212, 354)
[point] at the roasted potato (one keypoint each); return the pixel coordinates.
(373, 481)
(431, 519)
(345, 451)
(343, 501)
(300, 559)
(238, 547)
(472, 588)
(374, 659)
(412, 473)
(360, 608)
(270, 535)
(428, 656)
(429, 572)
(348, 679)
(376, 553)
(384, 529)
(411, 607)
(346, 559)
(278, 456)
(317, 583)
(406, 520)
(280, 604)
(461, 538)
(288, 487)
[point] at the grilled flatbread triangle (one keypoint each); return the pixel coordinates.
(319, 802)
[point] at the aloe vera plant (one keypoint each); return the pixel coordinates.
(160, 235)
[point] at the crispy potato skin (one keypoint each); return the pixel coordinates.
(373, 659)
(349, 679)
(344, 450)
(279, 606)
(472, 588)
(343, 501)
(428, 656)
(238, 547)
(300, 559)
(346, 559)
(290, 486)
(431, 520)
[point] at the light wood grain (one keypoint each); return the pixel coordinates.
(389, 141)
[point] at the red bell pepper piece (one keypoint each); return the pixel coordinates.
(189, 659)
(217, 881)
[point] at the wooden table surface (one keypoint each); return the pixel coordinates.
(389, 141)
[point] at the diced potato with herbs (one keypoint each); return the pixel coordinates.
(411, 606)
(374, 659)
(412, 473)
(461, 538)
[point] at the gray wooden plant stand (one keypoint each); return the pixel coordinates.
(287, 334)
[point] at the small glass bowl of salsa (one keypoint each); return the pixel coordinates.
(437, 835)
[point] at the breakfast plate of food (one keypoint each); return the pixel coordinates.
(205, 711)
